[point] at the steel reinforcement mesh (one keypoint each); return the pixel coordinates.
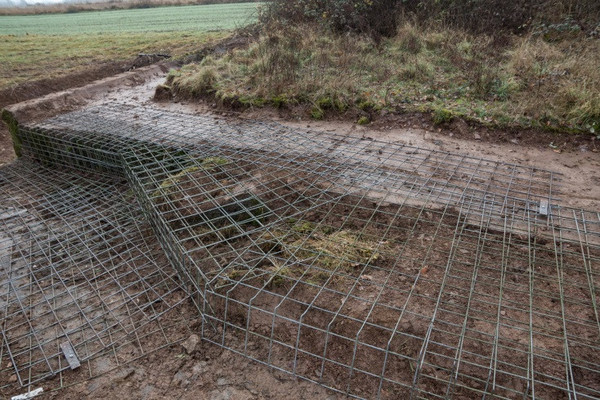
(378, 270)
(83, 280)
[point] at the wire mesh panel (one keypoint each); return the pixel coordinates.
(96, 134)
(81, 275)
(375, 298)
(378, 270)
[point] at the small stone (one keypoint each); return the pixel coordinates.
(514, 141)
(181, 378)
(199, 368)
(405, 326)
(477, 136)
(230, 394)
(12, 378)
(222, 382)
(124, 374)
(190, 343)
(225, 395)
(93, 385)
(502, 312)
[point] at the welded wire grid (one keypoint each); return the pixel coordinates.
(79, 268)
(375, 269)
(372, 298)
(95, 138)
(448, 174)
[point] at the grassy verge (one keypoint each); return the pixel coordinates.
(33, 57)
(527, 81)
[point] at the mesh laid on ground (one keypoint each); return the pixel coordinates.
(79, 268)
(378, 270)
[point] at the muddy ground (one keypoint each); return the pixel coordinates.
(208, 372)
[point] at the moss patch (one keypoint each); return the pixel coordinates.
(363, 120)
(13, 128)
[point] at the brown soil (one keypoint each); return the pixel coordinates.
(208, 373)
(205, 372)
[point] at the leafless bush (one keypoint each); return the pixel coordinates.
(382, 17)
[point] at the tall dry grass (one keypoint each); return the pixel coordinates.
(558, 82)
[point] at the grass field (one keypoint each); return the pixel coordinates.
(162, 19)
(100, 5)
(36, 47)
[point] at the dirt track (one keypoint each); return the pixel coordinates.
(212, 373)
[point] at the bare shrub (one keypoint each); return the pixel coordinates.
(380, 18)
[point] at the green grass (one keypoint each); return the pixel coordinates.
(35, 57)
(525, 81)
(163, 19)
(61, 44)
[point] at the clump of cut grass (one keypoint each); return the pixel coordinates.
(172, 180)
(325, 249)
(442, 116)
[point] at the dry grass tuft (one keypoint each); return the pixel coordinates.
(558, 82)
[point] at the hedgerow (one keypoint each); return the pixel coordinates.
(382, 17)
